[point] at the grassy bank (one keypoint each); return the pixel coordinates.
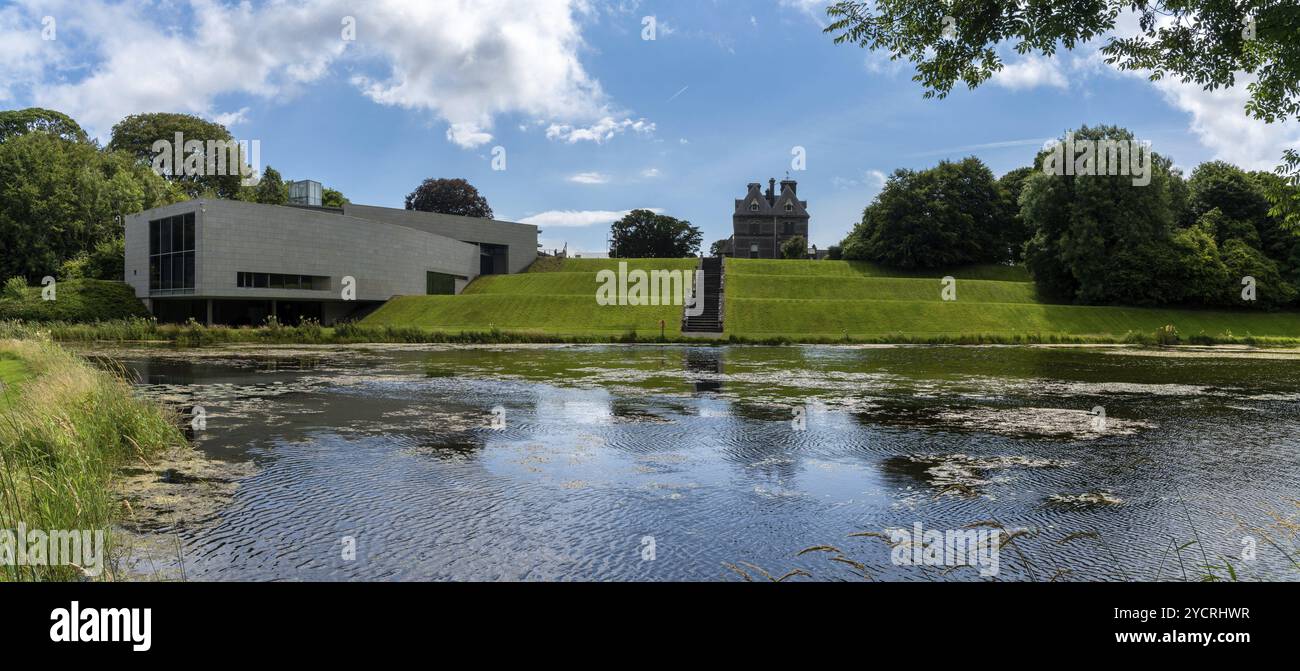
(555, 299)
(66, 428)
(777, 301)
(817, 300)
(75, 301)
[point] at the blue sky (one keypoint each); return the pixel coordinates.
(594, 120)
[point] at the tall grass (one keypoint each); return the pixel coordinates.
(65, 430)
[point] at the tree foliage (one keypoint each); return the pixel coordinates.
(136, 135)
(449, 196)
(645, 234)
(795, 248)
(1206, 42)
(60, 199)
(949, 215)
(20, 122)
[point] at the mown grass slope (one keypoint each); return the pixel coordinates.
(555, 297)
(818, 300)
(809, 301)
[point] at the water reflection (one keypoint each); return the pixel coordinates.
(723, 454)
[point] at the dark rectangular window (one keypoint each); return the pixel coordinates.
(247, 280)
(171, 255)
(439, 284)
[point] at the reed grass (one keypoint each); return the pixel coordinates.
(66, 429)
(193, 334)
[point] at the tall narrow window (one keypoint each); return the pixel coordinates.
(171, 255)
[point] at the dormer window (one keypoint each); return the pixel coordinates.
(753, 207)
(789, 207)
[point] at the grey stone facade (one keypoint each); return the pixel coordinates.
(386, 253)
(762, 222)
(520, 239)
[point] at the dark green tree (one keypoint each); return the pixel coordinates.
(271, 188)
(644, 234)
(449, 196)
(1097, 238)
(949, 215)
(1015, 232)
(60, 199)
(795, 248)
(137, 134)
(20, 122)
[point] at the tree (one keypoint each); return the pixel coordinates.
(1223, 186)
(332, 198)
(20, 122)
(945, 216)
(60, 199)
(644, 234)
(834, 253)
(1098, 237)
(136, 135)
(795, 248)
(1244, 261)
(270, 189)
(720, 247)
(1203, 41)
(1015, 232)
(449, 196)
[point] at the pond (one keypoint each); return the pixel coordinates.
(726, 463)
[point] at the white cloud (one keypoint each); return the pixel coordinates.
(1030, 72)
(651, 173)
(813, 9)
(464, 63)
(871, 180)
(578, 218)
(1220, 122)
(229, 119)
(599, 132)
(589, 178)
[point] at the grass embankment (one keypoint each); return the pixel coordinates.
(65, 429)
(819, 300)
(75, 301)
(556, 297)
(767, 302)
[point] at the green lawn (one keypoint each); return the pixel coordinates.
(555, 297)
(807, 300)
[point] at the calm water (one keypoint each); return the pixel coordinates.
(735, 454)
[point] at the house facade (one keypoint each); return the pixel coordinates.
(763, 221)
(231, 262)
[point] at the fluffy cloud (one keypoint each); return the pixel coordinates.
(1219, 120)
(578, 218)
(465, 63)
(1030, 72)
(599, 132)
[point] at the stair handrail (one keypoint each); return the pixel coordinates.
(722, 292)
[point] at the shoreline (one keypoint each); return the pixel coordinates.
(147, 332)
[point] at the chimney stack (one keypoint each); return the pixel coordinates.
(771, 190)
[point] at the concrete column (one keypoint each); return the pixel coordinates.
(209, 312)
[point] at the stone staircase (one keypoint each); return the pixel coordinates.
(710, 321)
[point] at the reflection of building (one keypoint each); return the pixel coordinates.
(231, 262)
(762, 222)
